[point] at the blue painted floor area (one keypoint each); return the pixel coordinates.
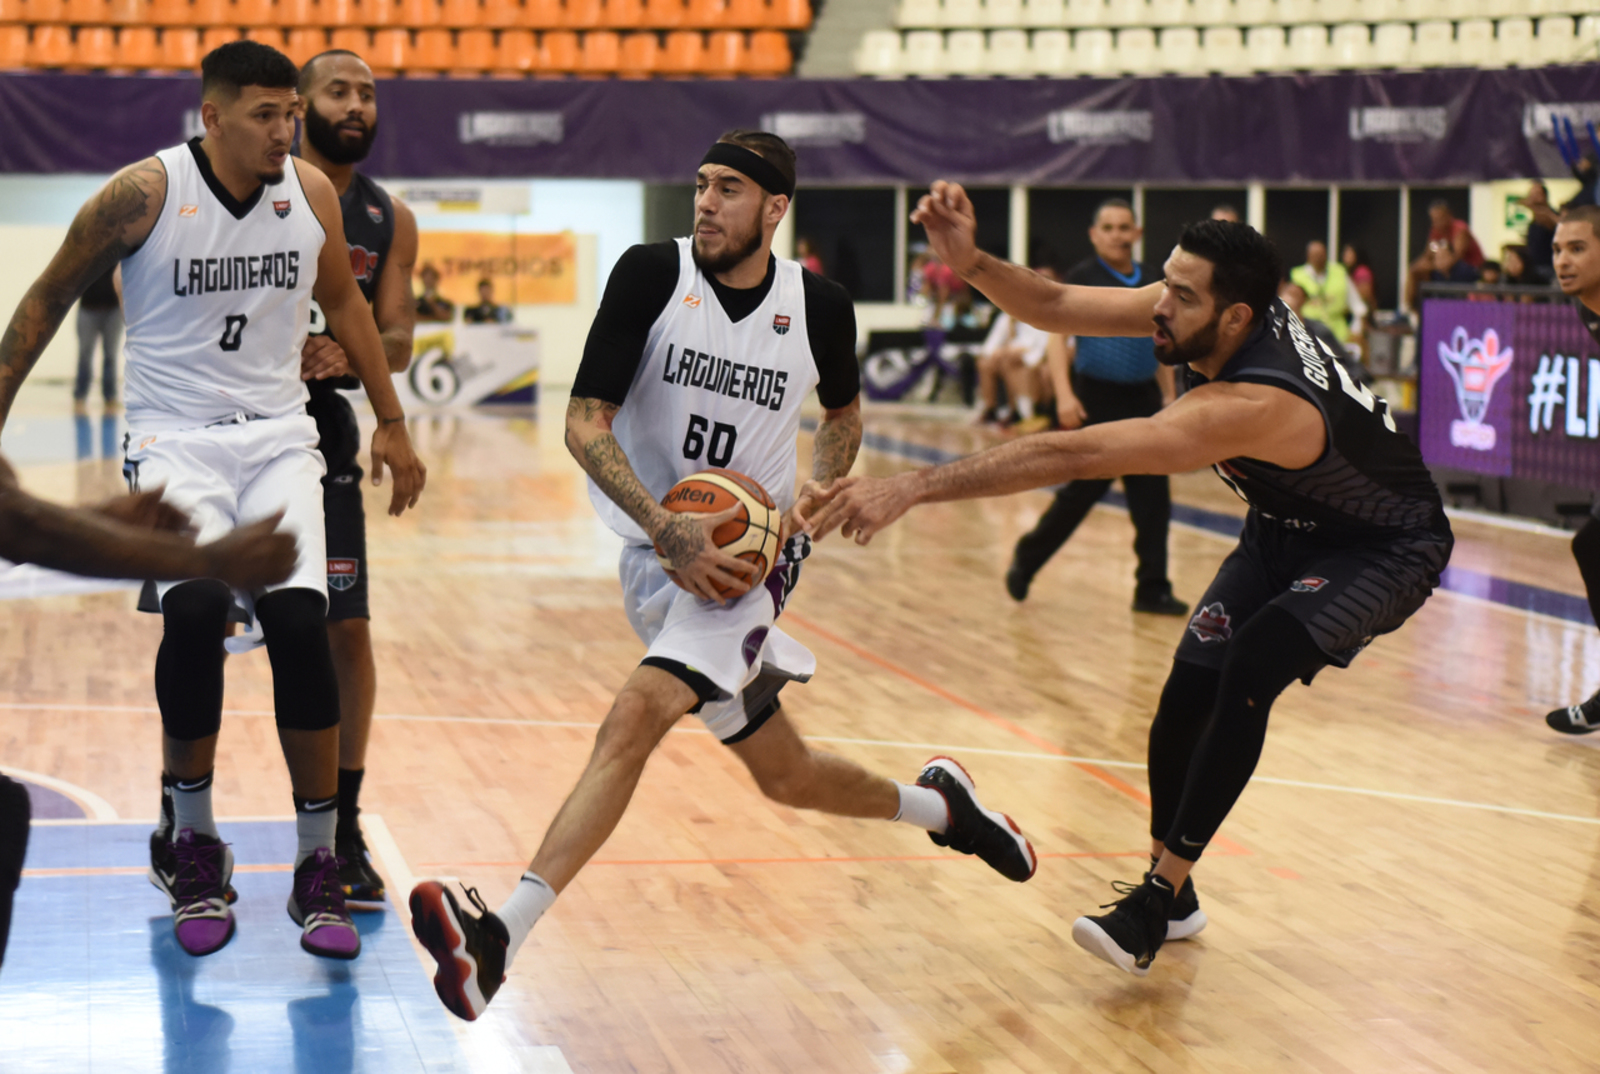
(94, 980)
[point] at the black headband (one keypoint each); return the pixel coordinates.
(751, 163)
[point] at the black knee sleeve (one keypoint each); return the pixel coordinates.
(1586, 550)
(15, 812)
(194, 619)
(305, 690)
(1187, 701)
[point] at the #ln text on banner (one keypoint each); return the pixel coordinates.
(525, 269)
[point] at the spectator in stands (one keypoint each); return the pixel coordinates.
(1331, 295)
(432, 306)
(99, 322)
(487, 311)
(1537, 258)
(1359, 267)
(947, 294)
(1514, 269)
(805, 252)
(1014, 353)
(1226, 212)
(1445, 267)
(1488, 273)
(1447, 230)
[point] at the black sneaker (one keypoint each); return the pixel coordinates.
(1581, 719)
(470, 951)
(1131, 934)
(163, 859)
(360, 880)
(1187, 918)
(1017, 582)
(992, 836)
(1162, 604)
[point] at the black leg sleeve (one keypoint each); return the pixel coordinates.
(1186, 705)
(305, 690)
(1586, 550)
(194, 619)
(1269, 652)
(1070, 507)
(1150, 509)
(15, 814)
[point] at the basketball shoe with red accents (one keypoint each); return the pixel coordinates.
(992, 836)
(470, 951)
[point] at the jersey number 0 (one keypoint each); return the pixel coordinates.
(233, 331)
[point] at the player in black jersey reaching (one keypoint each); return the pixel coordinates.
(341, 120)
(1344, 539)
(1577, 265)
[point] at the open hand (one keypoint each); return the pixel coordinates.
(702, 568)
(946, 213)
(321, 358)
(1070, 413)
(391, 444)
(798, 517)
(861, 506)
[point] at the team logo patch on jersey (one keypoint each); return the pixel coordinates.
(751, 646)
(281, 208)
(1308, 585)
(692, 301)
(342, 573)
(780, 325)
(1211, 623)
(188, 210)
(376, 214)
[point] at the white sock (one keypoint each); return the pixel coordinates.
(1025, 407)
(191, 807)
(922, 806)
(314, 828)
(523, 910)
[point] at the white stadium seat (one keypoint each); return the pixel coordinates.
(1266, 48)
(962, 14)
(923, 54)
(1093, 52)
(1255, 12)
(1085, 13)
(1008, 54)
(1435, 45)
(1222, 49)
(1214, 13)
(1514, 41)
(1293, 12)
(1308, 48)
(917, 14)
(1044, 14)
(1554, 41)
(1127, 12)
(1051, 53)
(1180, 51)
(1351, 45)
(1336, 11)
(1002, 14)
(1171, 13)
(966, 53)
(1475, 44)
(1588, 36)
(1428, 10)
(879, 54)
(1384, 11)
(1136, 50)
(1391, 44)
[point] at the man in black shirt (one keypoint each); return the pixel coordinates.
(99, 321)
(1344, 540)
(487, 311)
(431, 305)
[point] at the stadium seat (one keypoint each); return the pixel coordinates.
(357, 39)
(1093, 52)
(331, 13)
(1255, 12)
(1213, 12)
(1556, 40)
(1338, 11)
(726, 53)
(391, 51)
(1308, 48)
(584, 14)
(1008, 54)
(542, 14)
(639, 55)
(1391, 44)
(433, 52)
(558, 52)
(516, 54)
(877, 54)
(1086, 13)
(1295, 12)
(1475, 44)
(1429, 10)
(918, 14)
(1002, 14)
(599, 53)
(137, 48)
(266, 35)
(965, 53)
(37, 11)
(1266, 48)
(623, 15)
(13, 47)
(170, 12)
(1222, 49)
(1351, 45)
(1514, 42)
(1435, 44)
(458, 13)
(94, 47)
(703, 14)
(1044, 14)
(1179, 53)
(474, 53)
(1383, 11)
(88, 12)
(213, 13)
(1050, 53)
(684, 52)
(50, 45)
(502, 14)
(769, 54)
(305, 42)
(297, 12)
(416, 14)
(663, 14)
(1588, 35)
(923, 54)
(791, 14)
(250, 13)
(1127, 12)
(1136, 50)
(959, 14)
(1172, 13)
(129, 12)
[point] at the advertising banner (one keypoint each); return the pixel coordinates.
(1510, 390)
(523, 268)
(468, 364)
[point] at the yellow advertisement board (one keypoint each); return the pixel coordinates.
(523, 268)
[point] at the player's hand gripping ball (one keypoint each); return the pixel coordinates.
(751, 534)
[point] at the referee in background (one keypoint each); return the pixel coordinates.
(1100, 380)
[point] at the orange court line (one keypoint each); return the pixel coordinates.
(825, 860)
(139, 870)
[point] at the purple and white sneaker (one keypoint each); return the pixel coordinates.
(317, 906)
(201, 917)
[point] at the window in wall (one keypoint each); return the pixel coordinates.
(851, 229)
(1296, 216)
(1059, 219)
(1168, 210)
(668, 211)
(1369, 220)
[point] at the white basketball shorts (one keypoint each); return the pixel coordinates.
(240, 472)
(730, 645)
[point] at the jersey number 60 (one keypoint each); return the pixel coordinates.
(723, 437)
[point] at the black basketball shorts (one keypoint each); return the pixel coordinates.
(344, 515)
(1345, 593)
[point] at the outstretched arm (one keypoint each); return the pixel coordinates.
(109, 227)
(952, 225)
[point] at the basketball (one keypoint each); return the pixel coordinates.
(751, 535)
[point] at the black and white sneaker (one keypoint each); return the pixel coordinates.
(992, 836)
(164, 860)
(360, 880)
(1131, 934)
(1187, 918)
(1581, 719)
(470, 951)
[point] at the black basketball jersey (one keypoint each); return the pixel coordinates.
(1370, 481)
(1590, 319)
(368, 231)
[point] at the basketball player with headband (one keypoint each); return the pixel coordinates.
(701, 355)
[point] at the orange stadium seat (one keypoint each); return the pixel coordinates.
(746, 14)
(542, 14)
(703, 14)
(171, 12)
(726, 53)
(13, 11)
(791, 14)
(352, 39)
(332, 13)
(584, 14)
(461, 13)
(89, 12)
(516, 55)
(130, 12)
(50, 46)
(502, 14)
(684, 53)
(252, 13)
(663, 14)
(180, 49)
(769, 53)
(37, 11)
(265, 35)
(435, 51)
(378, 13)
(640, 56)
(94, 47)
(624, 14)
(419, 13)
(305, 42)
(212, 13)
(297, 12)
(601, 53)
(390, 51)
(13, 47)
(474, 53)
(137, 48)
(558, 52)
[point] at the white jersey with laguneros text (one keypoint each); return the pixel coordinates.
(217, 299)
(712, 392)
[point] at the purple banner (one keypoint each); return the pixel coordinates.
(1428, 126)
(1510, 390)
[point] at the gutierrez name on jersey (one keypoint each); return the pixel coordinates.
(209, 275)
(721, 376)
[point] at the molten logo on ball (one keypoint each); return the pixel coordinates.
(750, 535)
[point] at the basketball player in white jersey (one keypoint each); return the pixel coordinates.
(223, 243)
(701, 355)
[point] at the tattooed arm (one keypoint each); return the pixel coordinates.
(833, 453)
(109, 227)
(685, 538)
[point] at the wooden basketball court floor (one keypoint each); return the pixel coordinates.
(1410, 884)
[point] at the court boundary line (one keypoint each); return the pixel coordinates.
(96, 808)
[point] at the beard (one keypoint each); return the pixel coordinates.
(1197, 347)
(732, 255)
(271, 178)
(333, 146)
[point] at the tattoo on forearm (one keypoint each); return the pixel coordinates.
(833, 449)
(604, 460)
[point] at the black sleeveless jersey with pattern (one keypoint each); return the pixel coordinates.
(368, 232)
(1369, 483)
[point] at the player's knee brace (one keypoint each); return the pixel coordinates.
(305, 689)
(1269, 652)
(1586, 546)
(194, 617)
